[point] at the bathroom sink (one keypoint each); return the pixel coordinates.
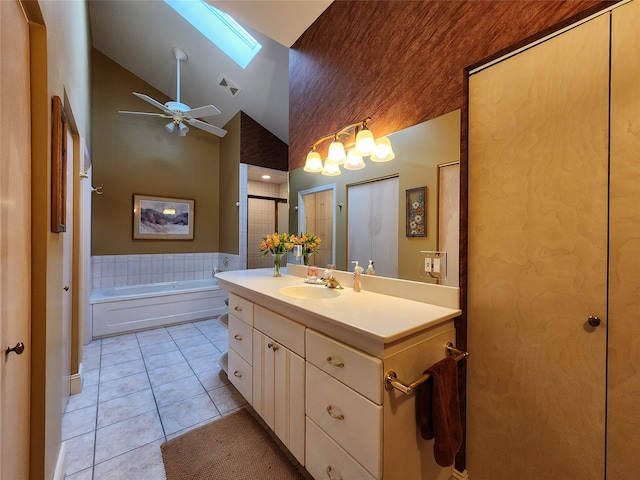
(314, 292)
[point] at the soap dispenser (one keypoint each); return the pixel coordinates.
(370, 270)
(357, 271)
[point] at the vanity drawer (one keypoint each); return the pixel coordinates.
(326, 459)
(353, 421)
(241, 338)
(241, 308)
(359, 371)
(281, 329)
(240, 375)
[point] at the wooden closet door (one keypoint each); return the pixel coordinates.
(623, 407)
(537, 260)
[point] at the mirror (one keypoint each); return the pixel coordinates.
(420, 151)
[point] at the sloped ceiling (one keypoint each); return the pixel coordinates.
(140, 35)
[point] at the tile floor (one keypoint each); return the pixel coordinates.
(139, 390)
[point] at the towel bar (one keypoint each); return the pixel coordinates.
(392, 381)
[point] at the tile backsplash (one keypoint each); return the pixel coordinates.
(119, 270)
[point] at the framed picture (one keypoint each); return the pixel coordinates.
(161, 218)
(417, 212)
(58, 167)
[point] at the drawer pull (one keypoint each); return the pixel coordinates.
(272, 346)
(333, 415)
(334, 364)
(238, 337)
(331, 477)
(237, 308)
(237, 374)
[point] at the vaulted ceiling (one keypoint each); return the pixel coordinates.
(140, 35)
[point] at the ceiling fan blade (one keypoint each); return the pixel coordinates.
(163, 115)
(207, 127)
(206, 111)
(153, 102)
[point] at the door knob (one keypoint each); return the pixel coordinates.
(19, 348)
(593, 321)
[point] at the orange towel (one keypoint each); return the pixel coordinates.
(439, 411)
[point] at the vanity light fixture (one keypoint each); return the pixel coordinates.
(365, 146)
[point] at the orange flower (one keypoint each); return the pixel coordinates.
(276, 243)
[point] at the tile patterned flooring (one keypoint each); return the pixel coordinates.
(139, 390)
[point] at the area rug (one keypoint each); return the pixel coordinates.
(235, 447)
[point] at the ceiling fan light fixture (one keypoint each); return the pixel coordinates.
(178, 111)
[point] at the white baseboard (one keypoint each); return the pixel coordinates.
(76, 381)
(61, 464)
(456, 475)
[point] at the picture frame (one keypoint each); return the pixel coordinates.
(58, 166)
(162, 218)
(416, 216)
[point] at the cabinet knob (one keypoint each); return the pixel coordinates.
(331, 476)
(333, 363)
(272, 346)
(334, 415)
(237, 308)
(593, 321)
(238, 337)
(237, 374)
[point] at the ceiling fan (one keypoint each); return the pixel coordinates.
(179, 113)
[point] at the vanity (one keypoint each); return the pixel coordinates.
(312, 362)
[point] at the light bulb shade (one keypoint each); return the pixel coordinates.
(182, 130)
(313, 163)
(331, 168)
(383, 151)
(354, 161)
(365, 143)
(336, 152)
(170, 127)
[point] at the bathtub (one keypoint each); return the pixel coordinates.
(131, 308)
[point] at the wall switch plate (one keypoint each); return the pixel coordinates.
(433, 265)
(436, 265)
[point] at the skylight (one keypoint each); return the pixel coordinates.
(220, 28)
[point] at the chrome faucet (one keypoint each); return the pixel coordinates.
(330, 281)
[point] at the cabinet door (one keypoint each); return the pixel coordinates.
(537, 259)
(278, 391)
(289, 400)
(264, 378)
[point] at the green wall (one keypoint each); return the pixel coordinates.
(230, 187)
(419, 150)
(135, 155)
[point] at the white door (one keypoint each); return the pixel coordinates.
(67, 274)
(15, 241)
(372, 225)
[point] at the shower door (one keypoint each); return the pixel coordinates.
(266, 215)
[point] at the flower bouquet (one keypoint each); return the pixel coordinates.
(277, 244)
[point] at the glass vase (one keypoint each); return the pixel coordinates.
(277, 257)
(306, 258)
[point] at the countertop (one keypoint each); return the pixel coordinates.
(365, 319)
